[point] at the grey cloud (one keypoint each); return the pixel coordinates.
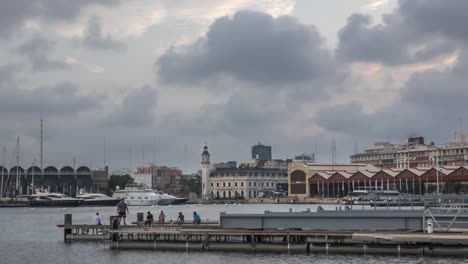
(417, 30)
(392, 43)
(431, 104)
(15, 12)
(37, 50)
(136, 110)
(62, 99)
(94, 38)
(446, 18)
(252, 47)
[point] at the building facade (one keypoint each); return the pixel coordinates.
(339, 181)
(66, 180)
(249, 180)
(161, 178)
(261, 152)
(246, 183)
(414, 154)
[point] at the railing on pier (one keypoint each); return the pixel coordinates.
(447, 217)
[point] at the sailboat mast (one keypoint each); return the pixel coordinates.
(17, 164)
(3, 169)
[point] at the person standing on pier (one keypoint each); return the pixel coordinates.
(122, 210)
(196, 218)
(162, 218)
(180, 219)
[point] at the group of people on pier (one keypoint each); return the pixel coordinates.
(179, 221)
(122, 210)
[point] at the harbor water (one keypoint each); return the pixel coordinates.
(30, 235)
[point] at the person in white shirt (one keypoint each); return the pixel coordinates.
(97, 219)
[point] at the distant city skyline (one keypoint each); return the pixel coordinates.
(160, 78)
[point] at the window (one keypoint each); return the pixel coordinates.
(242, 185)
(211, 184)
(235, 184)
(224, 184)
(250, 185)
(255, 183)
(217, 184)
(229, 184)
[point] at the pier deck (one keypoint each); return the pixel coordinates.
(215, 237)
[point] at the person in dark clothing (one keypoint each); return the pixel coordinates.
(149, 219)
(122, 210)
(180, 219)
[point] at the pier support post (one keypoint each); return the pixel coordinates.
(114, 225)
(67, 231)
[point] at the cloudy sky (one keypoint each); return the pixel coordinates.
(156, 78)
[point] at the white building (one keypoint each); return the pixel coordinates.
(244, 181)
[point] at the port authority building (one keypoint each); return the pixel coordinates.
(338, 180)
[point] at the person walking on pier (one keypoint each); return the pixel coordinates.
(122, 210)
(180, 219)
(149, 219)
(97, 219)
(162, 218)
(196, 218)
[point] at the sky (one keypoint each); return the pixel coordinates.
(126, 83)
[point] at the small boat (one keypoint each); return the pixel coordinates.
(53, 200)
(96, 199)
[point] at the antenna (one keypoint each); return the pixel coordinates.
(355, 147)
(42, 141)
(105, 150)
(185, 157)
(333, 145)
(130, 157)
(154, 151)
(143, 155)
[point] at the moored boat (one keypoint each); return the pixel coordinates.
(52, 200)
(96, 199)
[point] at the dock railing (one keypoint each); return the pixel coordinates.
(447, 217)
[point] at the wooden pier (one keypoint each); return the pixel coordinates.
(212, 237)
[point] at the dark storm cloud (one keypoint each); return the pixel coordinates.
(136, 110)
(94, 38)
(252, 47)
(37, 50)
(13, 13)
(417, 30)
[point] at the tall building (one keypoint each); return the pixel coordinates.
(261, 152)
(206, 169)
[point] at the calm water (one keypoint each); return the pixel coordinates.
(32, 237)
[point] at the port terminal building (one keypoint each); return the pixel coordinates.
(67, 180)
(339, 180)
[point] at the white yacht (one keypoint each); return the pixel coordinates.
(166, 199)
(44, 198)
(137, 195)
(97, 199)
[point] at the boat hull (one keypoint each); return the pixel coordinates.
(180, 201)
(34, 203)
(106, 202)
